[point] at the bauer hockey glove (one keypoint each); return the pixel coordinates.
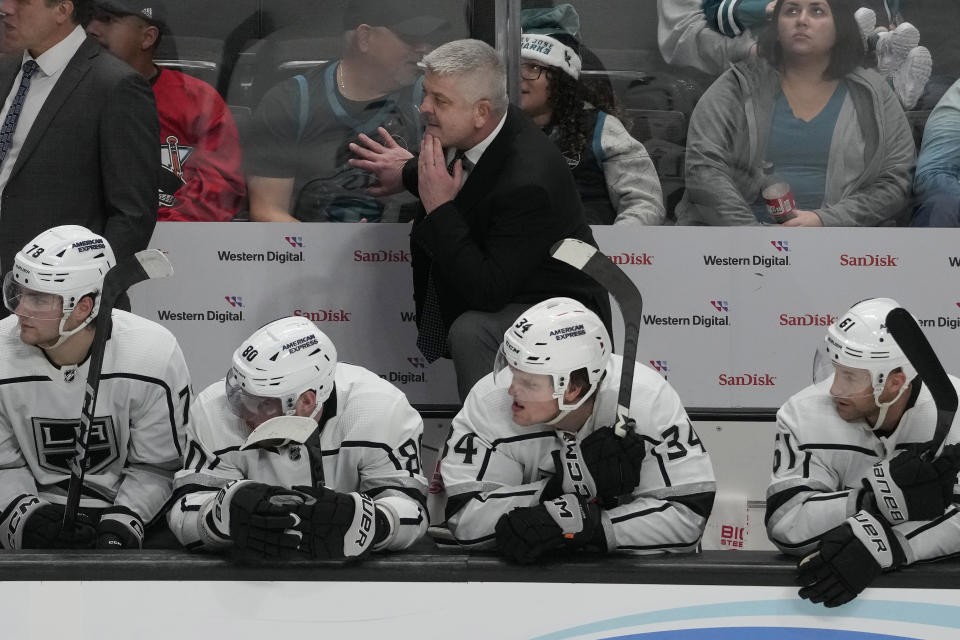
(849, 559)
(334, 525)
(568, 522)
(36, 524)
(119, 528)
(603, 466)
(909, 487)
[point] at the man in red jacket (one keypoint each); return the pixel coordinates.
(201, 180)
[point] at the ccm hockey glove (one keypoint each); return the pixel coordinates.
(119, 528)
(849, 559)
(603, 466)
(568, 522)
(909, 487)
(37, 524)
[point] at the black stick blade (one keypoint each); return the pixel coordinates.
(921, 355)
(587, 258)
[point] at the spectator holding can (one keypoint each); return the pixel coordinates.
(805, 111)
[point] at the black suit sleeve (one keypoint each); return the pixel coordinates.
(490, 273)
(130, 164)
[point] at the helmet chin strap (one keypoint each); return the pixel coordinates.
(65, 335)
(885, 406)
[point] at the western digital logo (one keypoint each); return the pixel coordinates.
(747, 261)
(781, 245)
(210, 315)
(869, 260)
(235, 301)
(280, 257)
(720, 305)
(687, 321)
(941, 322)
(660, 366)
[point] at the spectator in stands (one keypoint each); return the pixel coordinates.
(201, 179)
(834, 131)
(937, 183)
(687, 38)
(615, 176)
(297, 154)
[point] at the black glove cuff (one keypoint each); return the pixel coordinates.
(382, 526)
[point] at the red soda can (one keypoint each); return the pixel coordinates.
(780, 202)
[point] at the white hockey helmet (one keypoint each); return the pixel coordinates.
(554, 338)
(859, 340)
(278, 363)
(54, 271)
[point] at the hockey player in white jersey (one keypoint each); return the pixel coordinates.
(349, 485)
(136, 433)
(532, 468)
(850, 493)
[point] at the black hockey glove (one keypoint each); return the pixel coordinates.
(603, 466)
(42, 529)
(568, 522)
(911, 488)
(849, 559)
(334, 525)
(256, 516)
(119, 528)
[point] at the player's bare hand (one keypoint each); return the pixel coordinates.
(385, 161)
(435, 184)
(804, 218)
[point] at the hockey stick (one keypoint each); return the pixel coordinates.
(916, 347)
(588, 259)
(280, 429)
(143, 265)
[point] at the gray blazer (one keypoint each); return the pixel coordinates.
(89, 159)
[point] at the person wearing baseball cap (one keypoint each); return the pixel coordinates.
(615, 176)
(201, 178)
(297, 156)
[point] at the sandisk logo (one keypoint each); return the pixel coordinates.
(642, 259)
(807, 320)
(869, 260)
(324, 315)
(381, 256)
(747, 380)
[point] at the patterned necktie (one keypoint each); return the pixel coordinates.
(431, 335)
(10, 122)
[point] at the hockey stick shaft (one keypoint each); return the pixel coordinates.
(141, 266)
(921, 355)
(590, 260)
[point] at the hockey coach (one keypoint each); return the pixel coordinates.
(496, 194)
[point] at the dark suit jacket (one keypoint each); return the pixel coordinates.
(490, 245)
(90, 157)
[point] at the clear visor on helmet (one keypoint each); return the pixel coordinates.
(250, 408)
(847, 383)
(521, 385)
(28, 303)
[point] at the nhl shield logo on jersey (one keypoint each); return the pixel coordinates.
(55, 440)
(70, 374)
